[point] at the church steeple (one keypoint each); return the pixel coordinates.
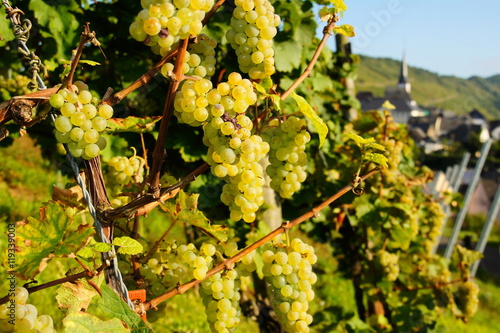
(404, 82)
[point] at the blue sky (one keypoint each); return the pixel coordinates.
(449, 37)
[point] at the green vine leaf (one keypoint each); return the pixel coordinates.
(287, 53)
(59, 23)
(83, 322)
(112, 306)
(5, 32)
(101, 247)
(374, 145)
(131, 124)
(326, 14)
(66, 69)
(339, 5)
(51, 236)
(185, 209)
(376, 158)
(465, 256)
(345, 29)
(260, 89)
(277, 102)
(85, 253)
(267, 83)
(360, 141)
(308, 111)
(400, 237)
(128, 245)
(89, 62)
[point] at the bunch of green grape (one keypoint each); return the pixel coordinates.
(234, 156)
(394, 154)
(193, 105)
(288, 272)
(17, 316)
(199, 60)
(233, 152)
(287, 156)
(82, 120)
(221, 294)
(221, 298)
(126, 170)
(13, 86)
(243, 192)
(388, 263)
(468, 298)
(173, 264)
(253, 27)
(161, 24)
(433, 221)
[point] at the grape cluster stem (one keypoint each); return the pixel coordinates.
(152, 304)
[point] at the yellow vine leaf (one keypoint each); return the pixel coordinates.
(310, 114)
(388, 105)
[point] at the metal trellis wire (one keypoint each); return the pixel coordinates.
(37, 70)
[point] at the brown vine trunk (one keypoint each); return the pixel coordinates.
(100, 201)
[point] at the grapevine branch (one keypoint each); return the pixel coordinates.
(144, 79)
(327, 32)
(231, 261)
(146, 202)
(19, 108)
(97, 189)
(212, 12)
(156, 245)
(70, 278)
(85, 37)
(159, 152)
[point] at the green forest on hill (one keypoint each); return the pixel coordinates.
(432, 90)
